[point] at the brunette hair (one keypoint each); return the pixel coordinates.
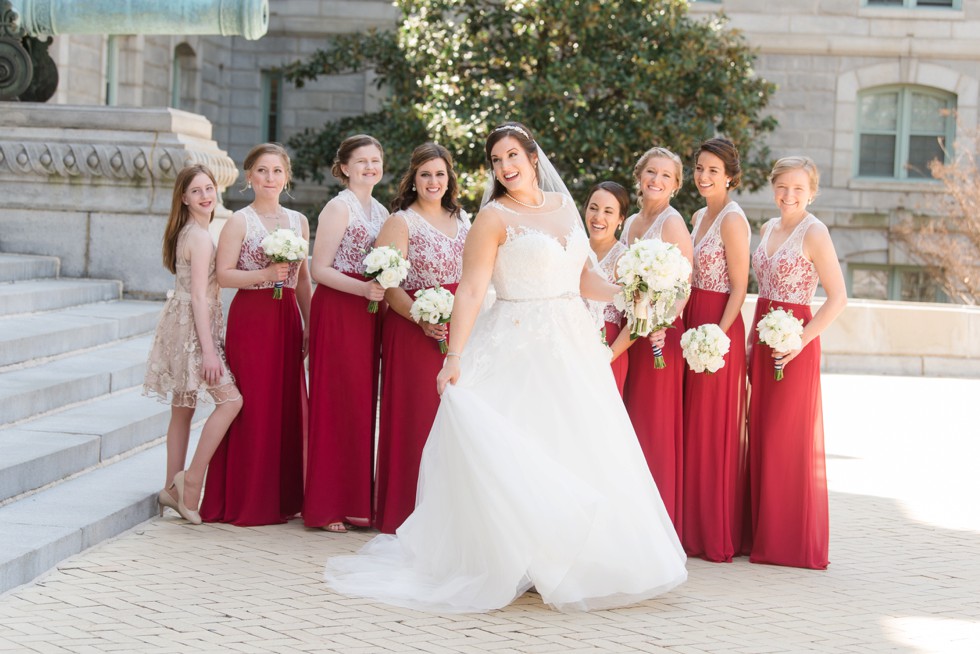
(180, 213)
(524, 138)
(728, 153)
(407, 194)
(346, 149)
(618, 191)
(269, 148)
(658, 152)
(797, 162)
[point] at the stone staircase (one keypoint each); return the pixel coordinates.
(81, 453)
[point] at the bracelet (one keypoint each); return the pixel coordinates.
(454, 354)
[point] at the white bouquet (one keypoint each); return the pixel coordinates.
(434, 306)
(655, 277)
(386, 265)
(782, 332)
(284, 246)
(705, 348)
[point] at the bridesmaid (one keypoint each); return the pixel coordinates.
(256, 475)
(604, 215)
(654, 397)
(345, 345)
(715, 447)
(430, 228)
(790, 525)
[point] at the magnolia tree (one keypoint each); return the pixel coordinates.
(598, 83)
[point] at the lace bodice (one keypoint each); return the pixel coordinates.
(436, 259)
(182, 280)
(360, 234)
(608, 266)
(787, 275)
(534, 264)
(710, 265)
(654, 231)
(252, 257)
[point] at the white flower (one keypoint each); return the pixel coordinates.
(781, 331)
(284, 245)
(432, 305)
(390, 277)
(387, 265)
(705, 348)
(655, 276)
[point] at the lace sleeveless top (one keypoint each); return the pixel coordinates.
(608, 266)
(435, 258)
(536, 265)
(710, 266)
(360, 235)
(252, 257)
(787, 275)
(655, 230)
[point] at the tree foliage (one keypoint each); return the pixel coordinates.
(599, 82)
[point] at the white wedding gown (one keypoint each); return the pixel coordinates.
(532, 474)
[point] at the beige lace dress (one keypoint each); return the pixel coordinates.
(174, 368)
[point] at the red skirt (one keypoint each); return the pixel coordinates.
(790, 521)
(715, 443)
(408, 406)
(622, 364)
(256, 474)
(345, 346)
(655, 401)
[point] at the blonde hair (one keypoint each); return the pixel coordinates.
(651, 154)
(180, 213)
(269, 148)
(797, 162)
(346, 151)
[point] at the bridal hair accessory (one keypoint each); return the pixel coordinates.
(514, 128)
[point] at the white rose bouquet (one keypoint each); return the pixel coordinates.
(434, 306)
(284, 246)
(386, 265)
(655, 277)
(782, 332)
(705, 348)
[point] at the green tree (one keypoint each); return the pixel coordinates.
(599, 82)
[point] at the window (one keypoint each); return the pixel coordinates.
(901, 129)
(271, 105)
(941, 4)
(905, 283)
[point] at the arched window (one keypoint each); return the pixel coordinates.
(183, 90)
(901, 129)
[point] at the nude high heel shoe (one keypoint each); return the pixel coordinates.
(192, 517)
(164, 500)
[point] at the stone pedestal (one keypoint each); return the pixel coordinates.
(93, 186)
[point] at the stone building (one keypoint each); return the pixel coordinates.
(862, 88)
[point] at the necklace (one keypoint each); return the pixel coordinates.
(544, 199)
(276, 215)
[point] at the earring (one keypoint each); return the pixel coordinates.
(248, 185)
(413, 187)
(728, 184)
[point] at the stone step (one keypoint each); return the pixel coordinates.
(36, 336)
(46, 294)
(16, 267)
(42, 451)
(42, 529)
(55, 384)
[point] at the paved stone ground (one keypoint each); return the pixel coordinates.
(904, 574)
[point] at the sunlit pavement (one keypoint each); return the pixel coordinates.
(903, 455)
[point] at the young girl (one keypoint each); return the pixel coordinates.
(257, 474)
(790, 523)
(188, 349)
(345, 345)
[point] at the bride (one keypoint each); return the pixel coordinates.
(532, 474)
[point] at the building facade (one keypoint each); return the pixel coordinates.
(872, 90)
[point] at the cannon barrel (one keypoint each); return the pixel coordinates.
(248, 18)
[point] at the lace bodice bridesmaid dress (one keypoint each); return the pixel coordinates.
(345, 355)
(411, 362)
(715, 446)
(787, 469)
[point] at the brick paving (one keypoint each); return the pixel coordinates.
(904, 574)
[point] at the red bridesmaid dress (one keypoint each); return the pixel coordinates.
(408, 377)
(715, 444)
(256, 474)
(613, 318)
(655, 402)
(790, 521)
(345, 346)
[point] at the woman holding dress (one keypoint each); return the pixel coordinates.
(790, 523)
(531, 468)
(654, 396)
(604, 215)
(188, 348)
(345, 345)
(715, 448)
(256, 476)
(430, 228)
